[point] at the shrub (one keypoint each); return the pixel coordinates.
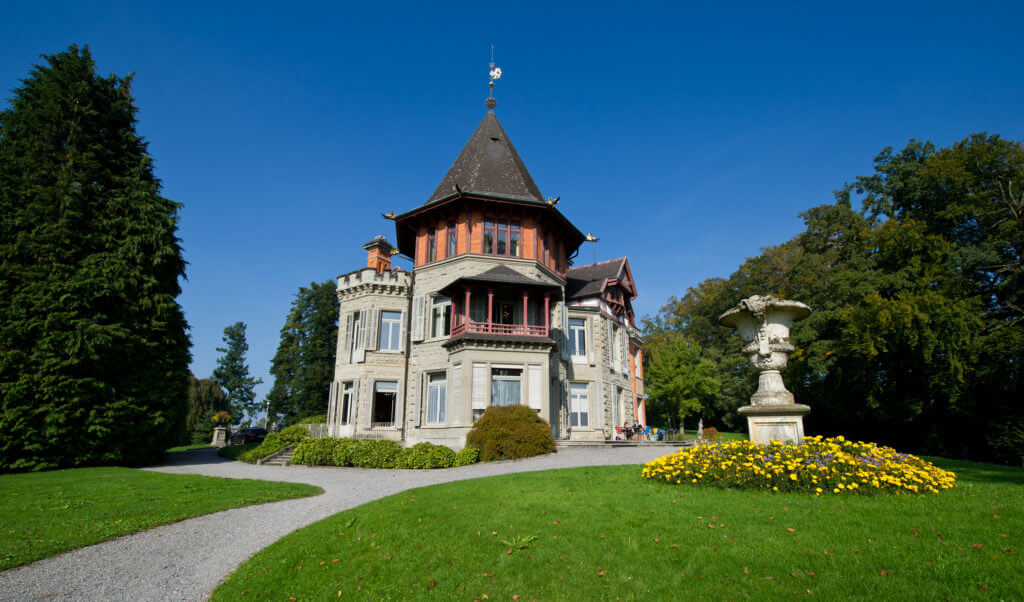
(509, 432)
(426, 455)
(343, 451)
(318, 419)
(817, 465)
(316, 452)
(711, 433)
(467, 456)
(274, 442)
(376, 453)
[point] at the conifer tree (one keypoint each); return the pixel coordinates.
(232, 373)
(93, 345)
(303, 366)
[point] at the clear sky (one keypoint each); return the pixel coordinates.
(686, 136)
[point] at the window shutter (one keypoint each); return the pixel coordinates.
(370, 395)
(611, 344)
(565, 332)
(456, 397)
(534, 387)
(591, 343)
(479, 386)
(359, 353)
(417, 318)
(402, 330)
(624, 365)
(597, 408)
(372, 329)
(347, 345)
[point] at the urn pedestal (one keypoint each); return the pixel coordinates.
(220, 436)
(764, 323)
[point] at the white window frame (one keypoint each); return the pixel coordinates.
(579, 405)
(394, 331)
(377, 388)
(578, 334)
(346, 406)
(437, 317)
(437, 398)
(507, 377)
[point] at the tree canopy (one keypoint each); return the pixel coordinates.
(303, 366)
(232, 373)
(93, 345)
(916, 333)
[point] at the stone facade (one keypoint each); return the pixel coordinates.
(492, 313)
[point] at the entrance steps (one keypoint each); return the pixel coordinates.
(282, 457)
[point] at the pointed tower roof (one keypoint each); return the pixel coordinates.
(489, 165)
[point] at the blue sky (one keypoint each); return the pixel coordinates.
(686, 136)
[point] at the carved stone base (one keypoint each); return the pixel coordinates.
(775, 422)
(220, 436)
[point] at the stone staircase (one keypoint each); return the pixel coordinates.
(282, 457)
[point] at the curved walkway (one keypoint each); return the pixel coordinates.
(188, 559)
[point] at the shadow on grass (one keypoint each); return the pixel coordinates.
(207, 455)
(978, 472)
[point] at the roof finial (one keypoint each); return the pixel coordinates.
(495, 74)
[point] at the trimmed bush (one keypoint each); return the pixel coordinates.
(276, 441)
(376, 453)
(467, 456)
(318, 419)
(426, 455)
(343, 450)
(316, 452)
(817, 466)
(509, 432)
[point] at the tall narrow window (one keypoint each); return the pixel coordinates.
(502, 229)
(514, 248)
(489, 236)
(452, 239)
(432, 245)
(440, 317)
(579, 405)
(578, 338)
(357, 335)
(390, 325)
(385, 393)
(347, 403)
(506, 386)
(437, 395)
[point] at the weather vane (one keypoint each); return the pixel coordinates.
(495, 74)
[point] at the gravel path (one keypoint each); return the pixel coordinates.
(188, 559)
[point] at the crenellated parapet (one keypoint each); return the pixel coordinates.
(368, 281)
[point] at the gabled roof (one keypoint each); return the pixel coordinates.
(590, 280)
(489, 165)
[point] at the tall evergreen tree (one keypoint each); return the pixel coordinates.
(93, 345)
(303, 366)
(232, 373)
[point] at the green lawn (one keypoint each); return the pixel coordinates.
(46, 513)
(603, 533)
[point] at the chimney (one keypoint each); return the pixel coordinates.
(378, 254)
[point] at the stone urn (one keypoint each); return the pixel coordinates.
(764, 323)
(220, 436)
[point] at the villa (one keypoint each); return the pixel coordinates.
(494, 312)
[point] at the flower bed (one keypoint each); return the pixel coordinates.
(818, 465)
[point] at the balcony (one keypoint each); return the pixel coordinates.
(523, 330)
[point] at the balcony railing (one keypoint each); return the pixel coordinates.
(523, 330)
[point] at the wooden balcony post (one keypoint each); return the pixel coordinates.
(547, 315)
(467, 309)
(526, 298)
(490, 308)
